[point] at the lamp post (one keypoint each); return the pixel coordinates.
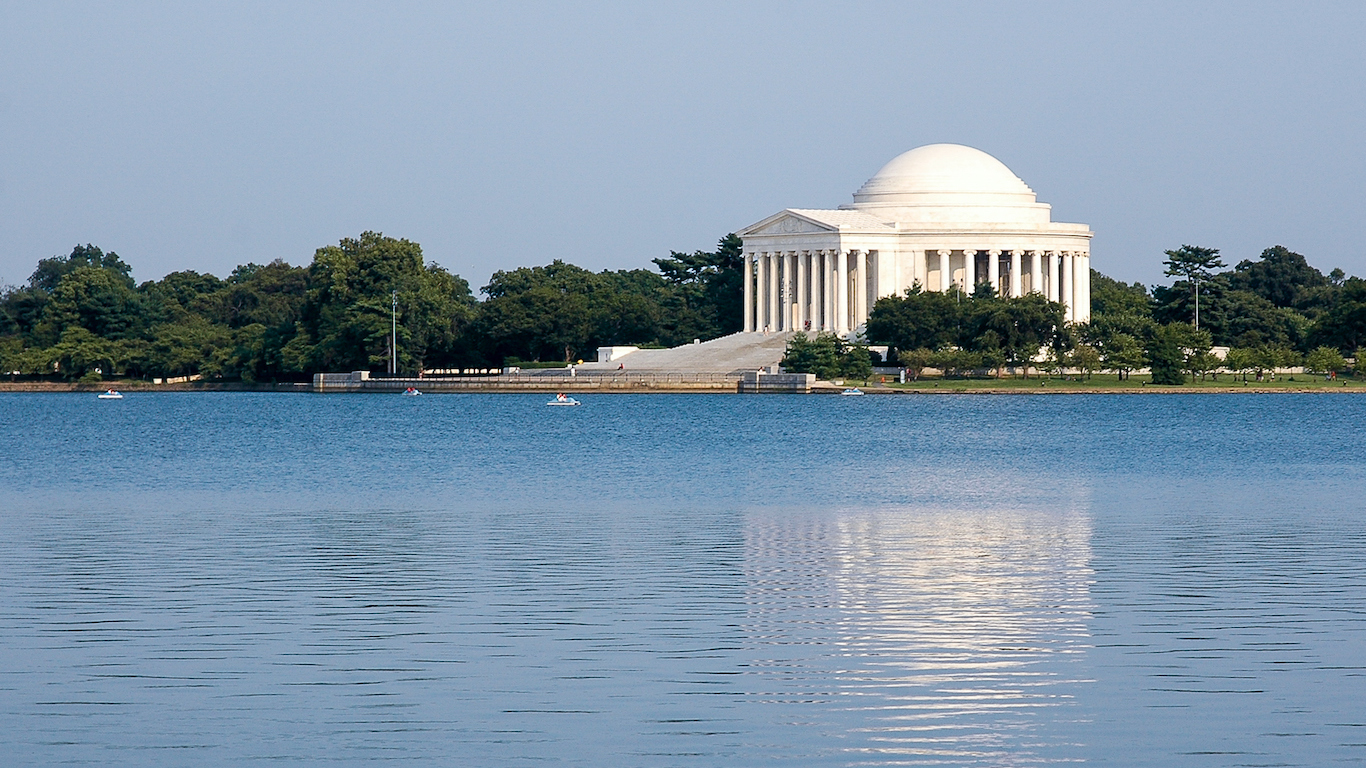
(1197, 302)
(393, 331)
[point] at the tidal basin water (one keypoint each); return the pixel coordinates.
(479, 580)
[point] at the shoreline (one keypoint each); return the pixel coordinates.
(822, 388)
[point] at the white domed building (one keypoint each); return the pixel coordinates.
(941, 215)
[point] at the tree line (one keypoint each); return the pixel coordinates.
(81, 316)
(1273, 312)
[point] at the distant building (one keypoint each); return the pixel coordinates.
(938, 215)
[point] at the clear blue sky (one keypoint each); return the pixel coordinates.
(201, 136)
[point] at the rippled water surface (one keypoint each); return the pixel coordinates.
(230, 579)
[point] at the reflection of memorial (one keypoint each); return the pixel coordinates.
(922, 635)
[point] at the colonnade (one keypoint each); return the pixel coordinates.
(818, 290)
(1063, 276)
(832, 290)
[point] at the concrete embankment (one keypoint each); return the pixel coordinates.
(623, 381)
(134, 385)
(591, 381)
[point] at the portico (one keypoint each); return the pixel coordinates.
(943, 217)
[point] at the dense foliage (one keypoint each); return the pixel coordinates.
(1273, 312)
(983, 330)
(828, 356)
(83, 316)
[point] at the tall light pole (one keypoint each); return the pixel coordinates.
(393, 338)
(1197, 302)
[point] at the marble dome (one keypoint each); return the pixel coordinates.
(927, 180)
(940, 217)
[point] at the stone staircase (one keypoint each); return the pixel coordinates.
(731, 354)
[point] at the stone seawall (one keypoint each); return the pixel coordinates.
(360, 382)
(758, 382)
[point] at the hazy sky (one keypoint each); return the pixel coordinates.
(202, 136)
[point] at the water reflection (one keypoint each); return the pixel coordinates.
(925, 636)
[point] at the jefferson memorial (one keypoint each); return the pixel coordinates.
(941, 216)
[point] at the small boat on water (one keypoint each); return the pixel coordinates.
(111, 394)
(852, 391)
(563, 399)
(412, 391)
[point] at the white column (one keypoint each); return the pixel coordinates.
(799, 321)
(813, 283)
(749, 292)
(1036, 272)
(969, 271)
(945, 276)
(842, 291)
(1015, 273)
(994, 270)
(1054, 275)
(1069, 285)
(861, 290)
(1084, 284)
(816, 287)
(775, 275)
(836, 256)
(770, 292)
(785, 288)
(760, 291)
(825, 290)
(778, 292)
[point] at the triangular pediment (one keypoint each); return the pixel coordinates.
(788, 223)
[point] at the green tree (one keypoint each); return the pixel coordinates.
(1248, 320)
(1110, 297)
(1166, 353)
(821, 355)
(1086, 359)
(709, 284)
(99, 300)
(1194, 264)
(1200, 359)
(51, 271)
(80, 354)
(1017, 327)
(855, 362)
(1324, 360)
(345, 320)
(193, 346)
(1240, 361)
(915, 361)
(272, 295)
(11, 356)
(175, 296)
(928, 319)
(1269, 358)
(1122, 354)
(1281, 276)
(1343, 326)
(994, 359)
(958, 363)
